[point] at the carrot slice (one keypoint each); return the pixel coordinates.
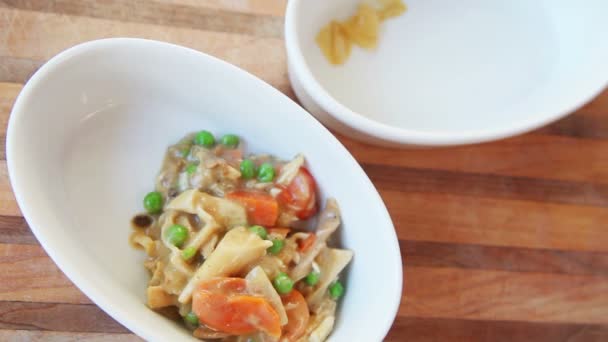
(297, 315)
(223, 305)
(261, 208)
(305, 245)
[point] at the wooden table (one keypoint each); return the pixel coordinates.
(506, 241)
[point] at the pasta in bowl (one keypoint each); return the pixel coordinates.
(238, 245)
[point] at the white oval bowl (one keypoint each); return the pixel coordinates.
(452, 72)
(86, 138)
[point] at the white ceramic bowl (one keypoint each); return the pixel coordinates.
(452, 72)
(86, 139)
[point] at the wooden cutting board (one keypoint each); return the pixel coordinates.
(506, 241)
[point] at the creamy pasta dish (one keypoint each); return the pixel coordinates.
(238, 246)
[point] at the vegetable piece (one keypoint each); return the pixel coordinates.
(237, 250)
(298, 316)
(177, 234)
(312, 278)
(266, 173)
(282, 283)
(259, 284)
(230, 140)
(191, 168)
(153, 202)
(261, 231)
(262, 209)
(188, 253)
(204, 138)
(191, 318)
(223, 304)
(300, 195)
(306, 244)
(336, 290)
(277, 246)
(247, 169)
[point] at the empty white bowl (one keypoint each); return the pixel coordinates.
(86, 139)
(452, 72)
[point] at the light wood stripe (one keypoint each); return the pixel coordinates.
(72, 30)
(469, 220)
(443, 330)
(500, 295)
(60, 317)
(29, 275)
(8, 204)
(17, 70)
(60, 336)
(159, 13)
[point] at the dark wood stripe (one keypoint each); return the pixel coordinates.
(58, 317)
(2, 147)
(441, 330)
(579, 125)
(151, 12)
(435, 254)
(14, 230)
(487, 185)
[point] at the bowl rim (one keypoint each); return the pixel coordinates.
(299, 68)
(70, 268)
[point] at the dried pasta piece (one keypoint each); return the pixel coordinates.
(391, 9)
(334, 42)
(331, 261)
(259, 284)
(363, 28)
(238, 249)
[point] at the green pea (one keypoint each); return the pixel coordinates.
(188, 253)
(312, 278)
(191, 168)
(191, 318)
(204, 138)
(230, 140)
(247, 169)
(185, 151)
(282, 283)
(177, 234)
(153, 202)
(336, 290)
(277, 246)
(261, 231)
(266, 173)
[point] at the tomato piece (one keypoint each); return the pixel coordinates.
(223, 305)
(306, 244)
(261, 208)
(300, 196)
(297, 315)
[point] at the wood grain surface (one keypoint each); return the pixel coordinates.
(505, 241)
